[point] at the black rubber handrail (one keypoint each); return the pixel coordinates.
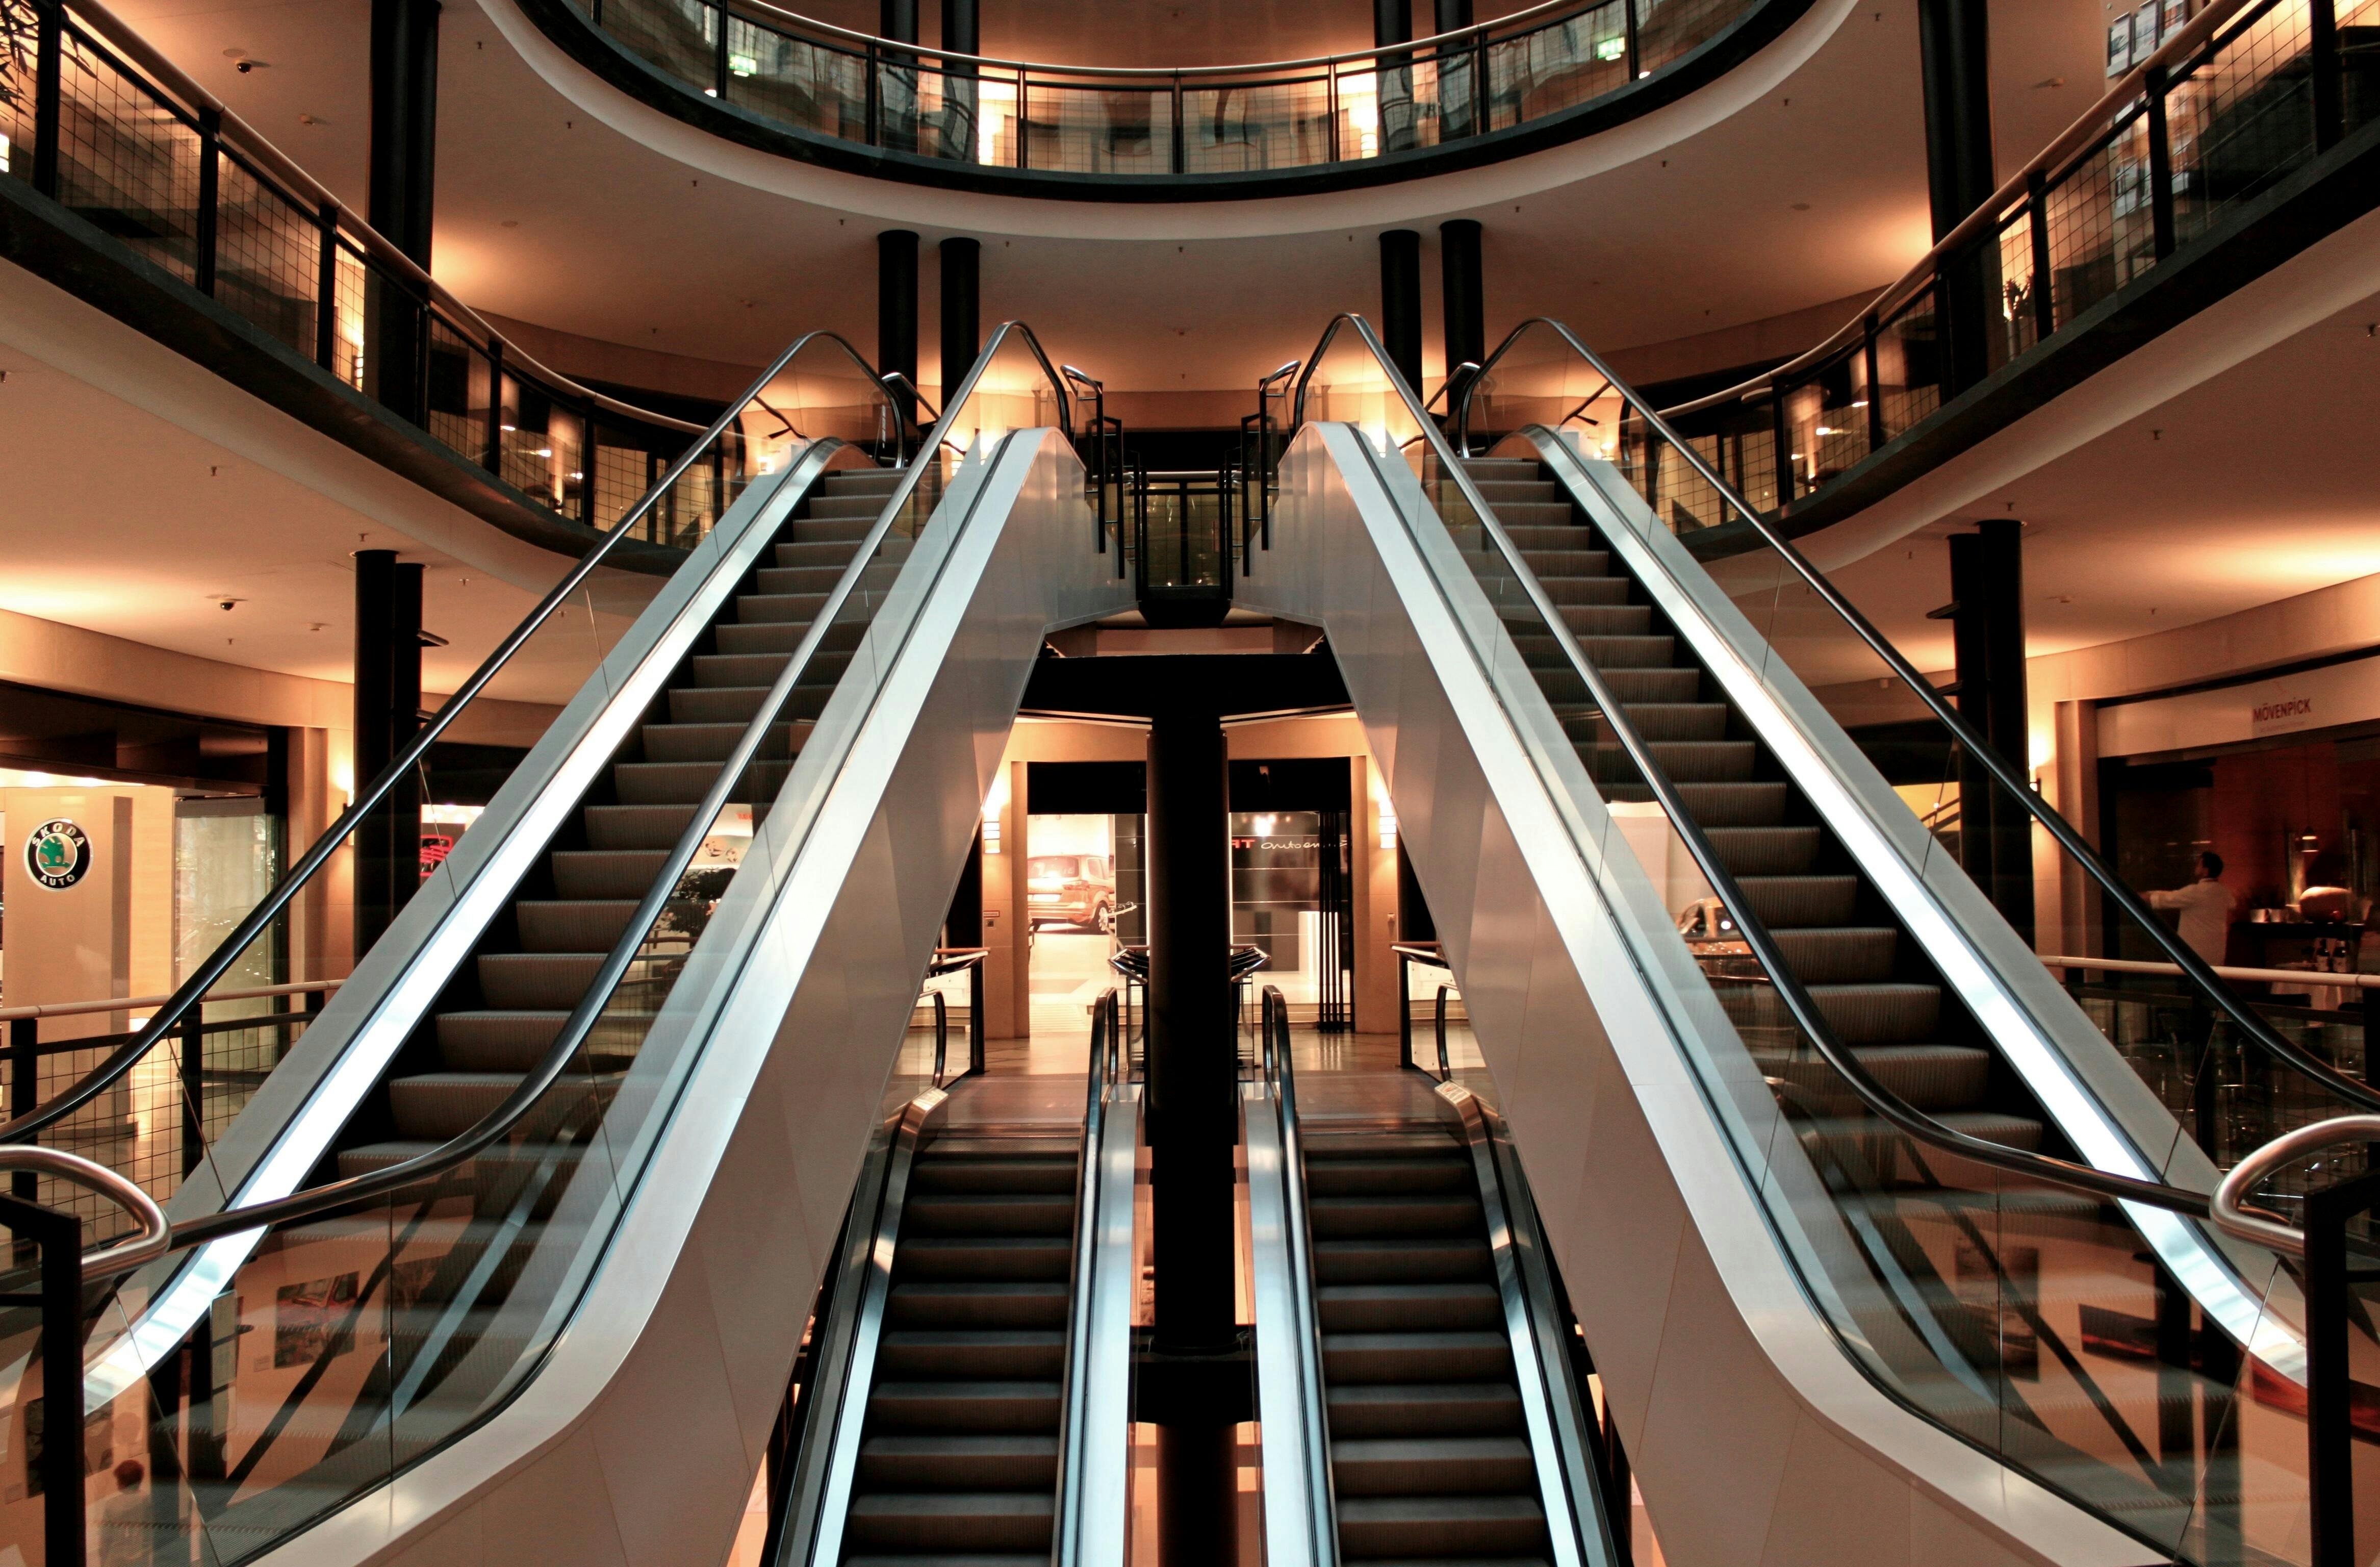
(1870, 1089)
(2195, 968)
(571, 1039)
(368, 798)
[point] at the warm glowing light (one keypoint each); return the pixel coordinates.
(1387, 828)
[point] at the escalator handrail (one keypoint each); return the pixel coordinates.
(1075, 1395)
(573, 1035)
(203, 979)
(1870, 1089)
(1525, 1299)
(2195, 968)
(1322, 1502)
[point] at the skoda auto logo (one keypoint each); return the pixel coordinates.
(58, 854)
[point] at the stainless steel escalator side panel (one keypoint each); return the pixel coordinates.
(286, 1129)
(2096, 1098)
(831, 1458)
(1647, 1130)
(1300, 1525)
(637, 1441)
(1550, 1396)
(1095, 1498)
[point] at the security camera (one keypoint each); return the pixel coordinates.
(227, 604)
(243, 67)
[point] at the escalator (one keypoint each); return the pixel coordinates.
(1801, 1098)
(1407, 1332)
(585, 1102)
(977, 1335)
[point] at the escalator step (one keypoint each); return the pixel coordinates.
(935, 1172)
(441, 1105)
(974, 1464)
(1429, 1408)
(1782, 900)
(712, 742)
(1455, 1466)
(941, 1522)
(605, 873)
(1383, 1261)
(1932, 1077)
(1357, 1308)
(1719, 804)
(730, 670)
(1584, 588)
(537, 980)
(1633, 685)
(778, 609)
(1654, 721)
(918, 1355)
(1020, 1406)
(1042, 1214)
(1686, 761)
(1409, 1216)
(1011, 1258)
(684, 783)
(1337, 1177)
(1405, 1527)
(1426, 1142)
(1764, 851)
(579, 926)
(1826, 954)
(1894, 1013)
(817, 579)
(496, 1041)
(1362, 1359)
(634, 827)
(1572, 555)
(1041, 1303)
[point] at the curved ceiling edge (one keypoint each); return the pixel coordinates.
(975, 211)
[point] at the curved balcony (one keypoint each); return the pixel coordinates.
(789, 85)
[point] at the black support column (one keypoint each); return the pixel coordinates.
(962, 27)
(402, 188)
(1454, 15)
(962, 310)
(896, 310)
(1954, 52)
(897, 20)
(387, 708)
(1193, 1127)
(1466, 301)
(1401, 302)
(1987, 629)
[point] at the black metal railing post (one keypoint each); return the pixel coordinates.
(977, 1022)
(194, 1086)
(2322, 52)
(1181, 144)
(1874, 361)
(873, 121)
(2160, 167)
(326, 293)
(494, 457)
(2329, 1310)
(1631, 47)
(1778, 431)
(49, 81)
(60, 1462)
(2044, 286)
(24, 1089)
(1404, 1011)
(719, 60)
(205, 228)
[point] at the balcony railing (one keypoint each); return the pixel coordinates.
(796, 73)
(97, 121)
(2230, 103)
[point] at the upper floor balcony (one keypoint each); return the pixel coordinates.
(804, 89)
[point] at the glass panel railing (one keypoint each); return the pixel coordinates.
(2003, 1294)
(817, 79)
(97, 1085)
(395, 1309)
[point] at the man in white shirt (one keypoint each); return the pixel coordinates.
(2205, 907)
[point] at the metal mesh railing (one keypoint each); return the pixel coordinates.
(145, 159)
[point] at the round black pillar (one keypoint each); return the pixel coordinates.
(962, 310)
(1193, 1121)
(896, 309)
(1401, 302)
(1465, 295)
